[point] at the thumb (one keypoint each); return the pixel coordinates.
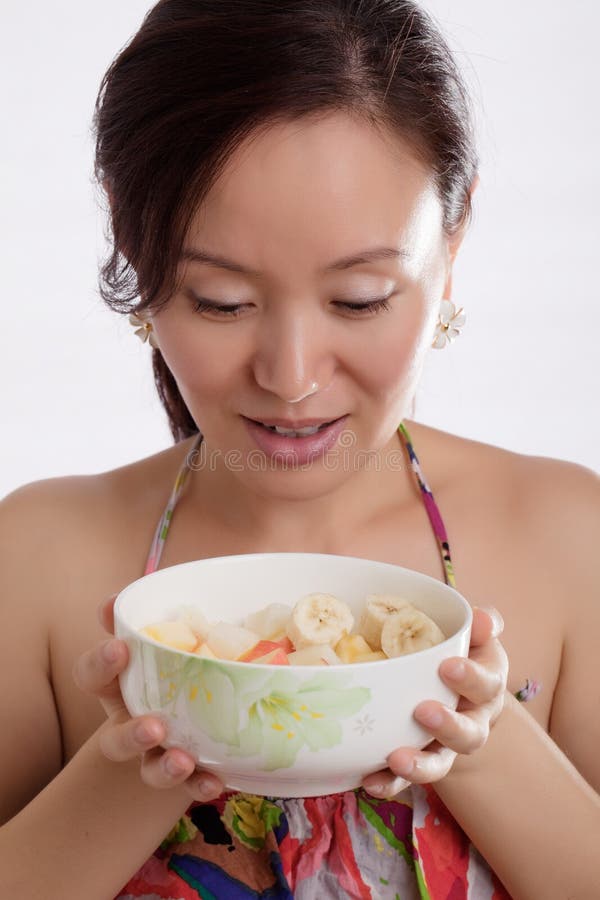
(487, 624)
(106, 613)
(97, 672)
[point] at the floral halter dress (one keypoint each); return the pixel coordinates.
(346, 845)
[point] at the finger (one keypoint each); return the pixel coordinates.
(106, 614)
(487, 624)
(203, 786)
(384, 785)
(422, 766)
(166, 768)
(129, 739)
(462, 732)
(96, 670)
(476, 682)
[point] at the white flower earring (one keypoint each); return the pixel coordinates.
(449, 323)
(144, 329)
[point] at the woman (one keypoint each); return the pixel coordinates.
(257, 158)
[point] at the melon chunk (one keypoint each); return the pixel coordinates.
(205, 651)
(230, 641)
(352, 647)
(269, 623)
(195, 619)
(177, 635)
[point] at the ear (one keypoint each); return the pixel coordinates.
(454, 244)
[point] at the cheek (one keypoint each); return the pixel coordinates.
(389, 364)
(202, 367)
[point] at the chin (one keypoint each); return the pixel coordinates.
(302, 483)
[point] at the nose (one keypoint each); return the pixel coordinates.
(291, 361)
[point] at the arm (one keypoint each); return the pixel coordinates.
(89, 829)
(527, 809)
(59, 828)
(527, 800)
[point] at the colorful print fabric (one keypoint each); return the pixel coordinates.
(347, 845)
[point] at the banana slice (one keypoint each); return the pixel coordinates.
(378, 608)
(409, 630)
(319, 619)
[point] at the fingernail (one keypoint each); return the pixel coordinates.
(146, 733)
(110, 652)
(433, 718)
(376, 788)
(455, 669)
(389, 790)
(173, 768)
(403, 765)
(497, 620)
(207, 788)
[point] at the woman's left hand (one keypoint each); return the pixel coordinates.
(480, 680)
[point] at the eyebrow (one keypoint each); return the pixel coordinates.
(346, 262)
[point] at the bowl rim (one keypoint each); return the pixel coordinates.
(121, 599)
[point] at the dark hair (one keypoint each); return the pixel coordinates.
(200, 76)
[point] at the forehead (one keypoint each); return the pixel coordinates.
(308, 191)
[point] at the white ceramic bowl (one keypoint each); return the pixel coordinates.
(285, 731)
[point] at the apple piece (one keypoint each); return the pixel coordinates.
(285, 644)
(177, 635)
(260, 649)
(315, 655)
(269, 623)
(230, 641)
(196, 620)
(277, 657)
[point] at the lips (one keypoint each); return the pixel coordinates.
(314, 427)
(300, 449)
(297, 425)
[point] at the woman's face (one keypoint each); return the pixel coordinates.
(290, 205)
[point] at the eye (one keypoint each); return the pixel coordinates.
(382, 304)
(201, 304)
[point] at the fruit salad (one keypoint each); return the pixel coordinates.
(318, 630)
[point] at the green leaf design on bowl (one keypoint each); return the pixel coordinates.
(255, 712)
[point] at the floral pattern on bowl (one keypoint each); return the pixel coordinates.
(253, 710)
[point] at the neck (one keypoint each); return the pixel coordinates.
(313, 508)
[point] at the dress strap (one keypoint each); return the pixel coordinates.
(437, 523)
(160, 535)
(433, 512)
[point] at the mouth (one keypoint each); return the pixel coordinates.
(289, 432)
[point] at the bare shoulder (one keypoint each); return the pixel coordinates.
(95, 499)
(84, 524)
(540, 513)
(67, 544)
(538, 485)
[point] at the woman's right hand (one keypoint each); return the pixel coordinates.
(122, 737)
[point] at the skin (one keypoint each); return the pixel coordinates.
(523, 532)
(299, 197)
(295, 198)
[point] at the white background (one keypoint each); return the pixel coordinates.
(77, 388)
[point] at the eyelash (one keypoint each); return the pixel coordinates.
(382, 304)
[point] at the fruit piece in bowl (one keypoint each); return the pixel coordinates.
(286, 730)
